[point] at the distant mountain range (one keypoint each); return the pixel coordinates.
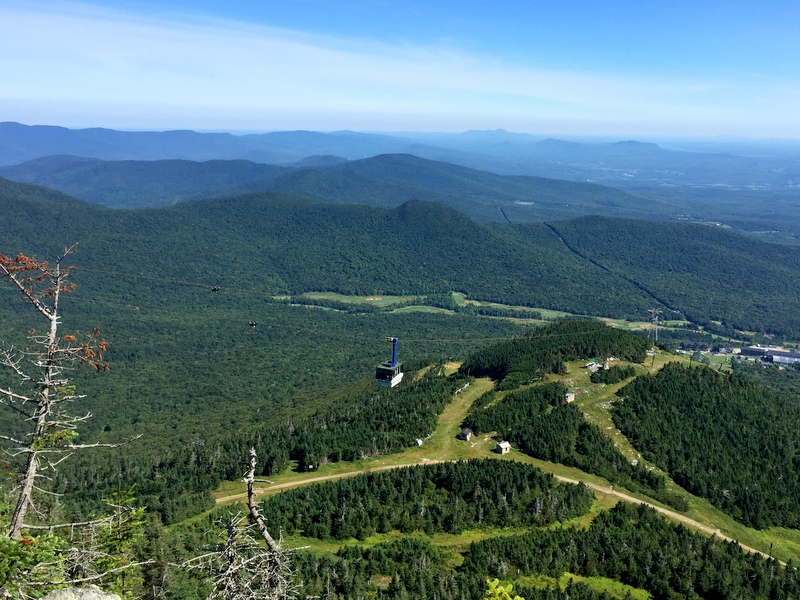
(626, 164)
(384, 180)
(389, 180)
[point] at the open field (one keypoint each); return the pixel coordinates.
(613, 588)
(417, 304)
(380, 301)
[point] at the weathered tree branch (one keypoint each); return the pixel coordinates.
(95, 577)
(15, 396)
(253, 506)
(70, 525)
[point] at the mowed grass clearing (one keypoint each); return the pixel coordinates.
(379, 301)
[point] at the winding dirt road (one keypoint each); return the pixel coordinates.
(675, 516)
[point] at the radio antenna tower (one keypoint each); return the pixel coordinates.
(655, 314)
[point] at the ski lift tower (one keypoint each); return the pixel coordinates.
(389, 374)
(655, 316)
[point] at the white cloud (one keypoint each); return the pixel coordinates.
(138, 71)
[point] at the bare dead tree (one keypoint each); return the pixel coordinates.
(43, 390)
(35, 384)
(242, 568)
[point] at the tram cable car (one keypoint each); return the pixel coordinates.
(389, 374)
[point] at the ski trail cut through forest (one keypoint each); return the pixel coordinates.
(600, 265)
(444, 442)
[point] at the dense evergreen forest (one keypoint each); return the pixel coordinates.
(721, 437)
(448, 497)
(186, 365)
(630, 544)
(369, 422)
(634, 545)
(544, 350)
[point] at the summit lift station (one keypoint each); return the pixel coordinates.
(389, 374)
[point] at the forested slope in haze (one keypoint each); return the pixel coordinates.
(380, 181)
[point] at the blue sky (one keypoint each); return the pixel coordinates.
(595, 68)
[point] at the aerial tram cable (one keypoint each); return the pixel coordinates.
(218, 288)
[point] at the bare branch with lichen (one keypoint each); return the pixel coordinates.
(243, 569)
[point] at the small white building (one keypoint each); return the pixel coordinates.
(466, 434)
(503, 447)
(570, 397)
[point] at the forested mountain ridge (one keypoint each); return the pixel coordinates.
(740, 282)
(300, 245)
(20, 142)
(593, 265)
(140, 184)
(627, 163)
(383, 180)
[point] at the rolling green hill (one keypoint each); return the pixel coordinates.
(139, 184)
(278, 244)
(704, 272)
(384, 181)
(281, 244)
(719, 436)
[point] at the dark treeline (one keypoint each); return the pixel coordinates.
(447, 497)
(721, 437)
(546, 349)
(613, 375)
(371, 422)
(415, 569)
(541, 423)
(633, 544)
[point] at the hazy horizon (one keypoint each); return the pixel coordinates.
(603, 70)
